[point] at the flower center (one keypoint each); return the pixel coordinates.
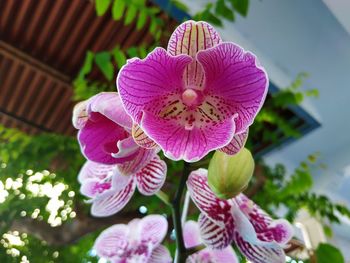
(189, 97)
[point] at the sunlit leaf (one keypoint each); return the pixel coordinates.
(102, 6)
(241, 6)
(142, 19)
(103, 61)
(119, 57)
(131, 13)
(118, 9)
(326, 253)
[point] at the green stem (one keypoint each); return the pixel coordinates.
(163, 197)
(181, 252)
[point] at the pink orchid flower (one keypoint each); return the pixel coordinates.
(256, 234)
(137, 242)
(192, 238)
(110, 187)
(197, 95)
(104, 129)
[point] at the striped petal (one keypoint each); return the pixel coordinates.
(224, 255)
(92, 170)
(153, 229)
(218, 210)
(141, 138)
(235, 78)
(113, 202)
(160, 255)
(247, 241)
(267, 229)
(189, 38)
(142, 158)
(236, 144)
(216, 236)
(150, 178)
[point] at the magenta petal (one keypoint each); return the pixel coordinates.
(160, 255)
(153, 228)
(236, 77)
(216, 235)
(191, 234)
(112, 202)
(178, 142)
(110, 105)
(250, 245)
(98, 139)
(216, 209)
(142, 83)
(127, 149)
(150, 178)
(112, 242)
(236, 144)
(266, 228)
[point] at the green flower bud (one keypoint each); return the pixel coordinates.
(229, 175)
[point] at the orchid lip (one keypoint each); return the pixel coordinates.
(189, 97)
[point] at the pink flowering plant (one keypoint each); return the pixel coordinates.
(198, 96)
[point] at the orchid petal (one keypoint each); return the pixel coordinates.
(143, 157)
(216, 236)
(92, 187)
(92, 170)
(145, 84)
(80, 114)
(236, 144)
(218, 210)
(141, 138)
(224, 255)
(191, 234)
(189, 38)
(110, 105)
(153, 229)
(266, 228)
(160, 255)
(120, 181)
(112, 202)
(191, 145)
(247, 241)
(112, 242)
(127, 149)
(233, 75)
(151, 178)
(98, 139)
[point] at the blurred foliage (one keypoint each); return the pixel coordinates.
(326, 253)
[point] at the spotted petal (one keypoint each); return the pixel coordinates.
(112, 242)
(236, 144)
(215, 209)
(266, 228)
(160, 255)
(151, 177)
(153, 228)
(234, 76)
(112, 202)
(250, 245)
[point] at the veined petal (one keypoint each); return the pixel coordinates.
(151, 177)
(191, 234)
(113, 202)
(93, 187)
(236, 78)
(142, 158)
(98, 139)
(189, 38)
(112, 242)
(250, 245)
(191, 145)
(236, 144)
(145, 85)
(110, 105)
(224, 255)
(267, 229)
(80, 114)
(141, 138)
(160, 255)
(216, 236)
(120, 181)
(153, 228)
(92, 170)
(218, 210)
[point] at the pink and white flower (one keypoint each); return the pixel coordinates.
(260, 238)
(196, 96)
(137, 242)
(192, 238)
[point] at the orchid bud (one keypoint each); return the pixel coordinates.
(229, 175)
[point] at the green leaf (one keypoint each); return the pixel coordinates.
(119, 57)
(103, 61)
(326, 253)
(132, 52)
(153, 27)
(102, 6)
(241, 6)
(88, 62)
(141, 21)
(130, 14)
(222, 9)
(180, 5)
(328, 231)
(118, 9)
